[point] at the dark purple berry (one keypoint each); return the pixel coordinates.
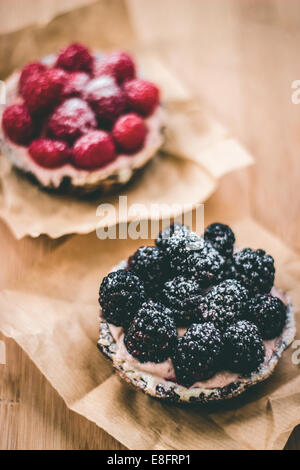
(198, 354)
(221, 237)
(121, 294)
(150, 265)
(268, 313)
(224, 304)
(152, 334)
(191, 256)
(182, 296)
(166, 233)
(243, 347)
(255, 270)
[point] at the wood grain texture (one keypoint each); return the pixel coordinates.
(41, 11)
(240, 58)
(33, 416)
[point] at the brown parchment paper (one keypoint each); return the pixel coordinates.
(52, 313)
(197, 152)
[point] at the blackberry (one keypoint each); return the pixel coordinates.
(221, 237)
(192, 256)
(224, 304)
(268, 313)
(182, 296)
(228, 271)
(243, 347)
(198, 353)
(120, 295)
(150, 265)
(206, 265)
(152, 334)
(167, 232)
(255, 269)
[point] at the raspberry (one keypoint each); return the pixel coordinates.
(117, 64)
(75, 84)
(268, 313)
(198, 353)
(43, 91)
(221, 237)
(75, 57)
(71, 119)
(224, 304)
(152, 334)
(106, 99)
(192, 256)
(182, 296)
(29, 71)
(17, 124)
(49, 153)
(98, 59)
(244, 350)
(121, 295)
(142, 96)
(93, 150)
(129, 133)
(255, 269)
(149, 264)
(166, 233)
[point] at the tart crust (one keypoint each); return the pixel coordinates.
(69, 179)
(170, 391)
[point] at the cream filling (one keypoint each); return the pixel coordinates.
(164, 371)
(121, 168)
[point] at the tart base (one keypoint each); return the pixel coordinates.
(110, 185)
(70, 180)
(170, 391)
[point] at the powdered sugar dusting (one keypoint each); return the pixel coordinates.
(122, 167)
(164, 372)
(100, 87)
(71, 119)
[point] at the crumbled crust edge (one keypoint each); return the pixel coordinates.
(178, 393)
(170, 391)
(110, 184)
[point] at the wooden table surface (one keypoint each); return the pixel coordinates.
(241, 59)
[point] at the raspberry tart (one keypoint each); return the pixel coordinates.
(194, 319)
(80, 121)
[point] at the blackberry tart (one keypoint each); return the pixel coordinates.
(81, 121)
(201, 334)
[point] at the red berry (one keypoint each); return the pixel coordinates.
(93, 150)
(75, 84)
(106, 99)
(117, 64)
(43, 91)
(71, 119)
(129, 132)
(75, 57)
(18, 124)
(142, 96)
(49, 153)
(29, 71)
